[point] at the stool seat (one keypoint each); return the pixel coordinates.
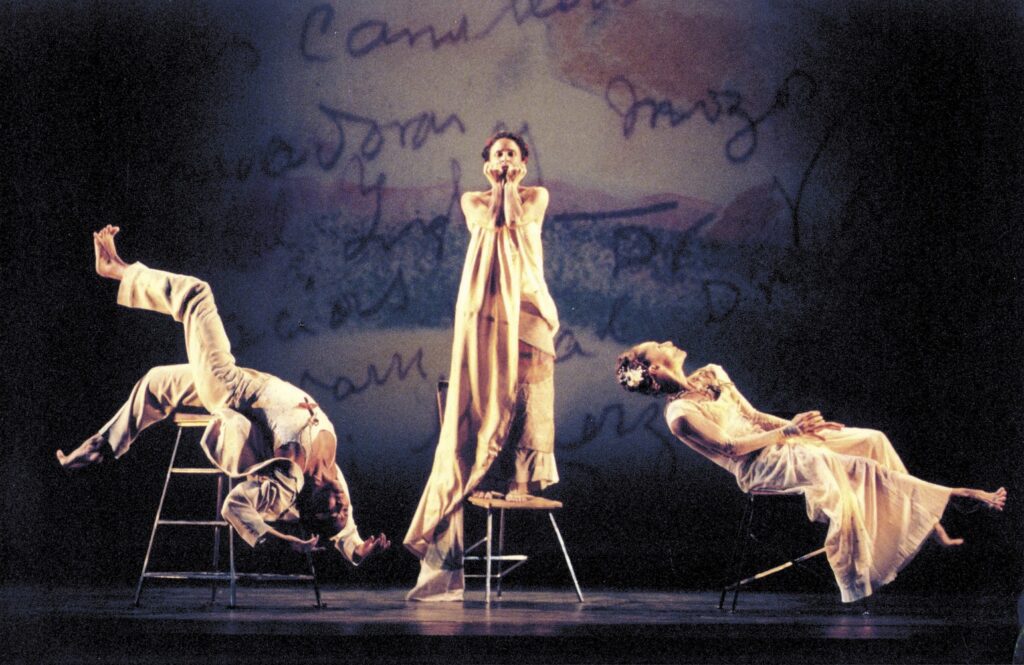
(534, 503)
(490, 559)
(192, 419)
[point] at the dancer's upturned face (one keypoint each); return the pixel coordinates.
(666, 361)
(664, 354)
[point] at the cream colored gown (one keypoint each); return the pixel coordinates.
(878, 514)
(501, 387)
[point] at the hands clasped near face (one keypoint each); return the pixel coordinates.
(499, 173)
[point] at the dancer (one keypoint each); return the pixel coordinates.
(878, 514)
(501, 386)
(263, 428)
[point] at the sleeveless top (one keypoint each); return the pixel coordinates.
(725, 411)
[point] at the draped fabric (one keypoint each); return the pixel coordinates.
(478, 409)
(878, 517)
(527, 460)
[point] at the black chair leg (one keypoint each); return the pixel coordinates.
(739, 554)
(316, 582)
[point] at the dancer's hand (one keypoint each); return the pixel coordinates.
(303, 546)
(516, 174)
(371, 545)
(493, 173)
(811, 423)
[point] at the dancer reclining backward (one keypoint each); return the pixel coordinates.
(263, 428)
(878, 514)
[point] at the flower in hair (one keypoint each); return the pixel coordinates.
(633, 377)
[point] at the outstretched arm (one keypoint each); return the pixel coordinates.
(296, 543)
(348, 541)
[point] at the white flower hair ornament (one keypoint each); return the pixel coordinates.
(636, 377)
(632, 378)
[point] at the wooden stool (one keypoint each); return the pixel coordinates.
(536, 503)
(201, 420)
(743, 539)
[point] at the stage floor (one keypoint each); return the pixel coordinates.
(281, 624)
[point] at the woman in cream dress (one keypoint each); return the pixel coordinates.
(878, 515)
(501, 383)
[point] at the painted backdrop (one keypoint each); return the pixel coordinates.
(824, 200)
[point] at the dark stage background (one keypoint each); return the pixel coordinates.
(824, 200)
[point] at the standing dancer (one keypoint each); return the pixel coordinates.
(263, 428)
(878, 514)
(501, 387)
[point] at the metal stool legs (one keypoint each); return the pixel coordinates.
(316, 582)
(215, 566)
(490, 559)
(214, 576)
(501, 547)
(565, 553)
(490, 534)
(156, 519)
(494, 564)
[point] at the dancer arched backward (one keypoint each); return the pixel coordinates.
(264, 429)
(878, 514)
(501, 385)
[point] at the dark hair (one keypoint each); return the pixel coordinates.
(314, 500)
(523, 148)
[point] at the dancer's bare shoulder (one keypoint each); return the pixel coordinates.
(475, 207)
(538, 195)
(471, 200)
(535, 203)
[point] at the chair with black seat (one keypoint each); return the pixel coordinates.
(747, 535)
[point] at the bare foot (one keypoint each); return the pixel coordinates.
(516, 496)
(89, 453)
(940, 536)
(994, 500)
(108, 263)
(480, 494)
